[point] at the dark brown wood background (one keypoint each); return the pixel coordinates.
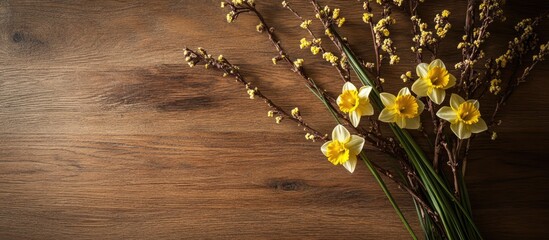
(105, 133)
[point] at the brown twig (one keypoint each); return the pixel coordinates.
(229, 69)
(465, 156)
(343, 73)
(452, 162)
(403, 186)
(437, 146)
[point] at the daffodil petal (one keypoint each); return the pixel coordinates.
(355, 118)
(451, 81)
(475, 103)
(340, 133)
(364, 91)
(401, 122)
(350, 164)
(461, 130)
(338, 100)
(413, 123)
(479, 126)
(387, 115)
(324, 148)
(355, 145)
(455, 101)
(447, 114)
(437, 95)
(455, 129)
(366, 109)
(437, 63)
(387, 98)
(348, 86)
(422, 69)
(420, 105)
(404, 91)
(465, 130)
(421, 87)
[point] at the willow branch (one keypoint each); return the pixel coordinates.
(343, 73)
(229, 69)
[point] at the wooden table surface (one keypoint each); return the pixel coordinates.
(106, 133)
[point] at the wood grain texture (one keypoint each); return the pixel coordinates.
(106, 133)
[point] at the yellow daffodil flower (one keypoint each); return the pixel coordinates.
(433, 80)
(464, 116)
(404, 109)
(355, 102)
(343, 148)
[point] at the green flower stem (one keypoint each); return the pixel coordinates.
(318, 94)
(432, 172)
(433, 196)
(464, 194)
(388, 194)
(423, 221)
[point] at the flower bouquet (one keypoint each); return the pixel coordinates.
(438, 101)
